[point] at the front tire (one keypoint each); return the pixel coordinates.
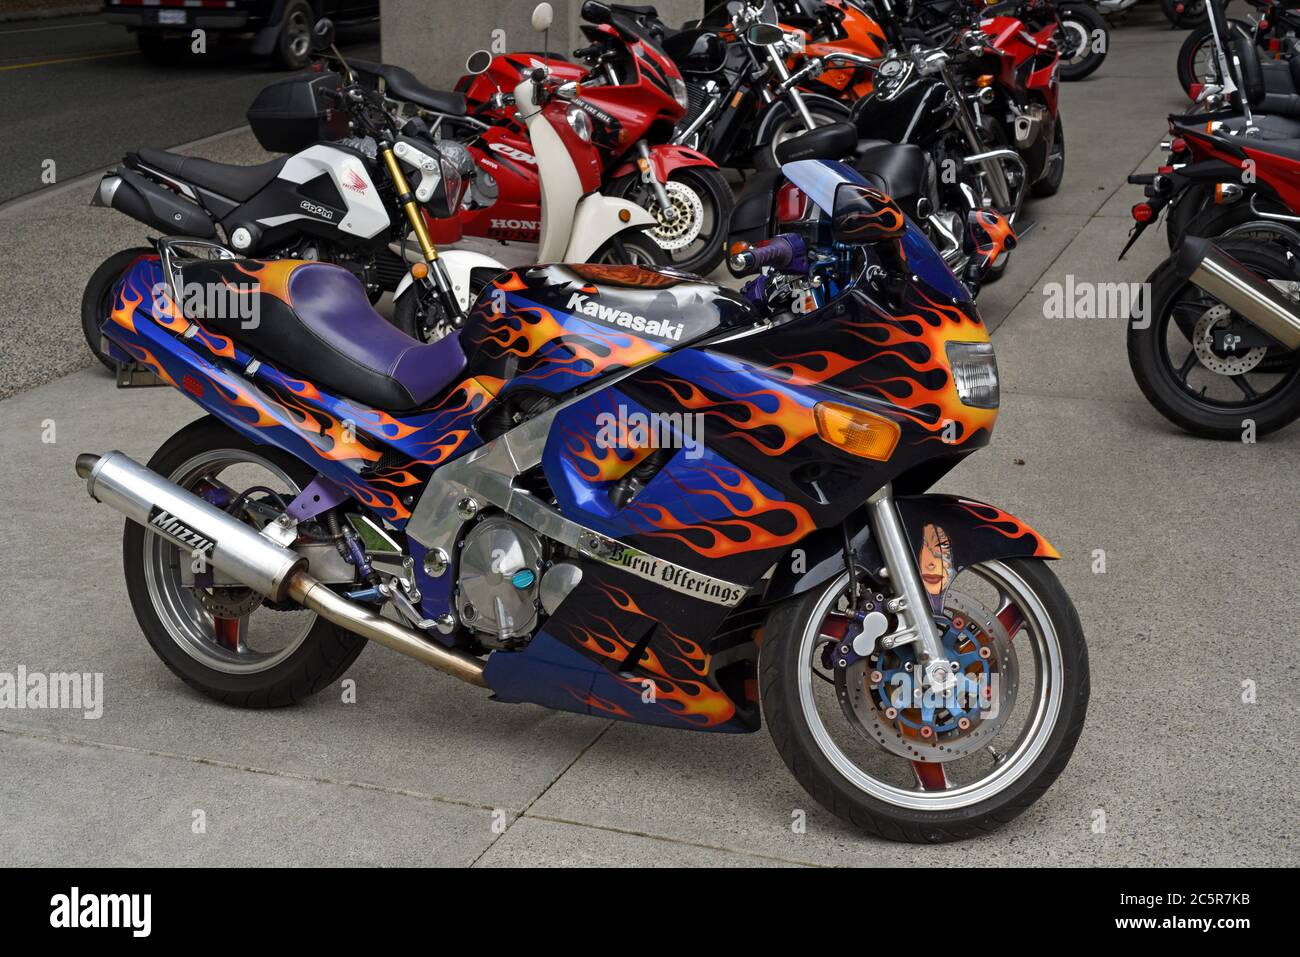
(277, 659)
(783, 122)
(632, 247)
(694, 241)
(97, 299)
(860, 790)
(1050, 181)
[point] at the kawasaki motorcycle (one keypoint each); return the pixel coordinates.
(622, 492)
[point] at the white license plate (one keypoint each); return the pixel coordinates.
(171, 18)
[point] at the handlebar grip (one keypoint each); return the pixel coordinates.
(778, 252)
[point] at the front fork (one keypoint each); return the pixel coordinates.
(437, 272)
(795, 96)
(910, 603)
(648, 176)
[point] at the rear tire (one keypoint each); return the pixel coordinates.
(1051, 179)
(97, 299)
(321, 657)
(293, 45)
(1172, 395)
(1086, 25)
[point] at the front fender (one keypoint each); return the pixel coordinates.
(975, 531)
(665, 158)
(460, 264)
(598, 219)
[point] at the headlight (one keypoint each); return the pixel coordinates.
(579, 122)
(974, 373)
(678, 86)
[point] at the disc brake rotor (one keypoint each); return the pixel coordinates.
(1203, 343)
(882, 698)
(685, 228)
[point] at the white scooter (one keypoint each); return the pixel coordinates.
(575, 227)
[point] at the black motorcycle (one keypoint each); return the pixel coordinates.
(349, 190)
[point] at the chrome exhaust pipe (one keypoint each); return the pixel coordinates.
(1239, 288)
(250, 558)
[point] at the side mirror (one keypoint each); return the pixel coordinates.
(543, 15)
(865, 215)
(763, 35)
(478, 62)
(322, 35)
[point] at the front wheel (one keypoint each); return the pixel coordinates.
(632, 247)
(694, 239)
(1084, 42)
(899, 763)
(1178, 349)
(1197, 63)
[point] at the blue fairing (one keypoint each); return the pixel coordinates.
(819, 179)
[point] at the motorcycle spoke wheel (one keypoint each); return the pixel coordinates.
(897, 756)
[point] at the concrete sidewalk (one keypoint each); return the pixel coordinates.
(1198, 540)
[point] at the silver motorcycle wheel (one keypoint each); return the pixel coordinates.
(987, 770)
(262, 637)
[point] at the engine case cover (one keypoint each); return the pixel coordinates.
(500, 567)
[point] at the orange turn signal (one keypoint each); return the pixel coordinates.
(984, 81)
(856, 431)
(419, 271)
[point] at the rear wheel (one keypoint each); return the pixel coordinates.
(97, 299)
(228, 642)
(1179, 356)
(931, 768)
(1084, 41)
(784, 123)
(1050, 181)
(293, 46)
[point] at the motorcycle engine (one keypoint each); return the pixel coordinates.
(501, 565)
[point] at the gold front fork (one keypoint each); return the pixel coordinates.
(408, 204)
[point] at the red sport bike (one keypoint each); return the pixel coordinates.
(620, 104)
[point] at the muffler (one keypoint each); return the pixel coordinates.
(1239, 288)
(250, 558)
(144, 200)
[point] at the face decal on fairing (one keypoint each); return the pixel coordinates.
(935, 564)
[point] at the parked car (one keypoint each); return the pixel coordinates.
(280, 29)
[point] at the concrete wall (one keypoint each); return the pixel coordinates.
(432, 38)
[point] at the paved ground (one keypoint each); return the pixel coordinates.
(76, 91)
(1198, 538)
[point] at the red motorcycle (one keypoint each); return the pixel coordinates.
(1023, 105)
(621, 103)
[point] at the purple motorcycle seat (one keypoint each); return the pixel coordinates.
(319, 324)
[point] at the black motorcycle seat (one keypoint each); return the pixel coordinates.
(239, 183)
(898, 169)
(403, 85)
(1267, 127)
(832, 141)
(315, 320)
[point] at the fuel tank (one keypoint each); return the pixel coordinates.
(556, 328)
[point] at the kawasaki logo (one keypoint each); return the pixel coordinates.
(586, 306)
(169, 525)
